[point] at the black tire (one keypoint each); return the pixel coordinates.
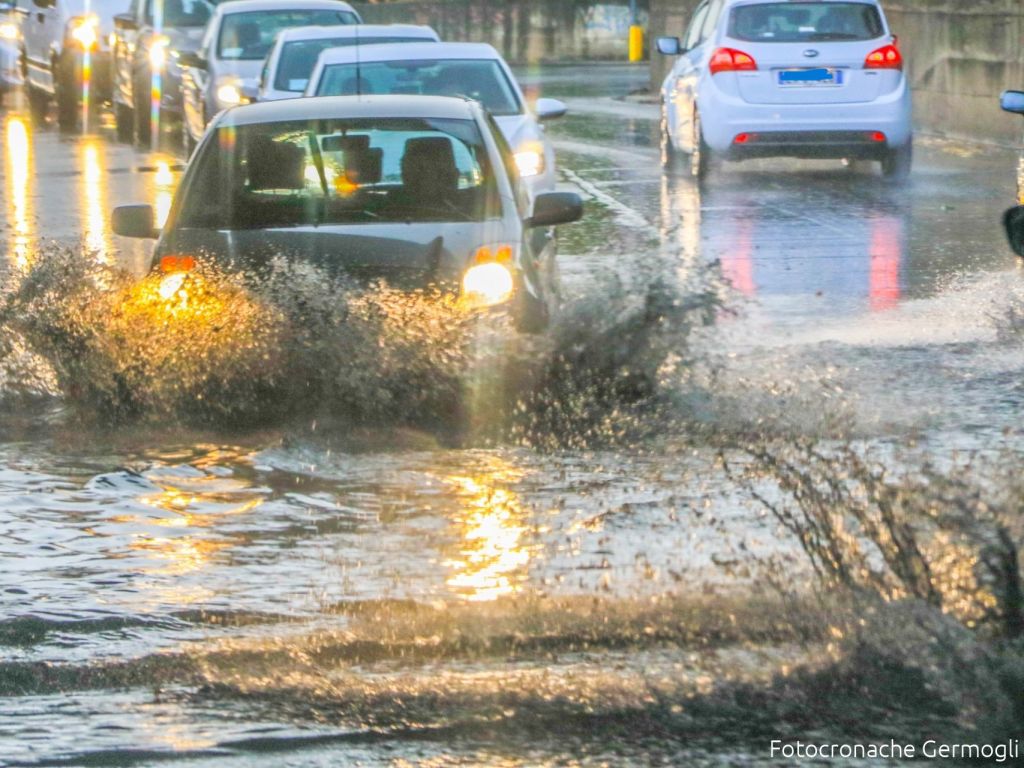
(68, 90)
(669, 153)
(188, 144)
(142, 122)
(898, 161)
(700, 158)
(38, 103)
(124, 119)
(530, 315)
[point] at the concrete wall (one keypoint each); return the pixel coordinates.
(961, 54)
(523, 30)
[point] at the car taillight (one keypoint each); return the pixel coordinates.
(886, 57)
(177, 264)
(731, 60)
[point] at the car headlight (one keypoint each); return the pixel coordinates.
(84, 31)
(8, 31)
(229, 94)
(489, 280)
(158, 53)
(530, 161)
(175, 270)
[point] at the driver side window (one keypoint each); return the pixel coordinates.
(693, 33)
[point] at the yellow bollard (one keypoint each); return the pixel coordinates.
(636, 43)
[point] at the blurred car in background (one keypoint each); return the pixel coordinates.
(413, 191)
(291, 60)
(771, 78)
(147, 41)
(471, 70)
(1013, 219)
(10, 49)
(66, 54)
(224, 71)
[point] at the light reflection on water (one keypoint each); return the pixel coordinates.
(19, 161)
(95, 200)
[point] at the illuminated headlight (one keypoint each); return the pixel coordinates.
(83, 30)
(487, 284)
(8, 31)
(229, 95)
(530, 162)
(158, 53)
(171, 284)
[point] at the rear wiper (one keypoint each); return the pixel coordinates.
(833, 36)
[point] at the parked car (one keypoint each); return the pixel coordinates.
(66, 54)
(147, 41)
(473, 70)
(1013, 219)
(224, 72)
(412, 190)
(10, 48)
(765, 78)
(295, 52)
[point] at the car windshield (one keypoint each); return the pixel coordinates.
(251, 35)
(803, 22)
(179, 13)
(299, 57)
(479, 79)
(351, 171)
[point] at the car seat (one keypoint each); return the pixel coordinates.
(429, 172)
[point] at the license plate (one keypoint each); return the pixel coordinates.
(810, 77)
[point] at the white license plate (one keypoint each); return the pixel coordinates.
(803, 78)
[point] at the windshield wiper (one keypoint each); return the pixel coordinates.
(318, 161)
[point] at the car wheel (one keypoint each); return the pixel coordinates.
(898, 161)
(530, 314)
(700, 158)
(38, 103)
(142, 121)
(669, 153)
(187, 142)
(67, 94)
(124, 118)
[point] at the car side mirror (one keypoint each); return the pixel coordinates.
(551, 208)
(550, 109)
(191, 59)
(669, 46)
(125, 21)
(134, 221)
(1012, 101)
(1013, 220)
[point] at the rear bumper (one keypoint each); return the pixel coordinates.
(723, 117)
(856, 145)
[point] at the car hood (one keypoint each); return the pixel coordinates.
(406, 254)
(518, 129)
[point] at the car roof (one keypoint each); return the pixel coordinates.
(329, 107)
(242, 6)
(355, 30)
(409, 52)
(731, 3)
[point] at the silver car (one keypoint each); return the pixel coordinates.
(474, 70)
(413, 190)
(225, 71)
(294, 55)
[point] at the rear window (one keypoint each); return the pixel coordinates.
(805, 22)
(181, 13)
(251, 35)
(298, 58)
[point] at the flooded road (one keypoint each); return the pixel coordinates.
(757, 483)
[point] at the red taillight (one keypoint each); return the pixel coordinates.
(878, 136)
(886, 57)
(731, 60)
(742, 138)
(177, 264)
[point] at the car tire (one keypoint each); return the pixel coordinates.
(188, 144)
(898, 161)
(124, 120)
(669, 153)
(67, 89)
(700, 157)
(38, 103)
(531, 315)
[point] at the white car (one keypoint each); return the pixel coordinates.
(763, 78)
(291, 60)
(472, 70)
(225, 71)
(10, 49)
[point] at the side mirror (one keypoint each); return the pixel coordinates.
(550, 109)
(191, 59)
(1012, 101)
(669, 46)
(1013, 220)
(551, 208)
(125, 21)
(134, 221)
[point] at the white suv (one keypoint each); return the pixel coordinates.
(796, 78)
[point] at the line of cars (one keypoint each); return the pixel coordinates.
(793, 78)
(375, 151)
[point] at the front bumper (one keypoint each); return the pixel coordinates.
(723, 117)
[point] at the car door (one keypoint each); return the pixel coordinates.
(681, 102)
(38, 22)
(126, 41)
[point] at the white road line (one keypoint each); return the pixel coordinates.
(624, 215)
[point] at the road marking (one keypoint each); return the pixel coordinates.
(624, 215)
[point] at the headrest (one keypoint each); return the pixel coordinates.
(275, 165)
